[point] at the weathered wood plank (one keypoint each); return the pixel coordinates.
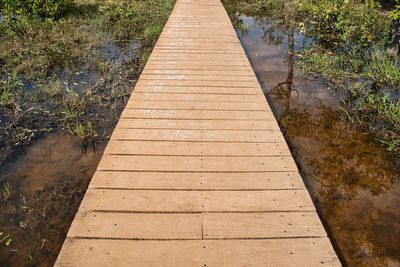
(192, 77)
(195, 163)
(136, 226)
(262, 225)
(197, 114)
(197, 181)
(198, 135)
(168, 105)
(244, 73)
(201, 82)
(198, 90)
(196, 149)
(186, 66)
(196, 201)
(308, 252)
(267, 125)
(138, 96)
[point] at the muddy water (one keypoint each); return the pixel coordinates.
(42, 184)
(352, 179)
(47, 182)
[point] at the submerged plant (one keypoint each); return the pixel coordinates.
(5, 191)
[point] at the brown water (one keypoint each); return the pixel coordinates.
(47, 179)
(352, 179)
(47, 183)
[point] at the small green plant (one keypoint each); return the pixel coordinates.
(391, 145)
(6, 238)
(10, 88)
(5, 192)
(383, 70)
(395, 13)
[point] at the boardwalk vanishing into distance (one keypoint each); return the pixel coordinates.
(197, 172)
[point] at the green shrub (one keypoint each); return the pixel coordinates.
(35, 8)
(348, 21)
(125, 18)
(395, 14)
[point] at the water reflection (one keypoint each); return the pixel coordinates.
(353, 181)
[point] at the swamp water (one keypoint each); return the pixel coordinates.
(42, 184)
(353, 181)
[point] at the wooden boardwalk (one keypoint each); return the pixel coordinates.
(197, 172)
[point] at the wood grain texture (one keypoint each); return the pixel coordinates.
(196, 201)
(197, 181)
(308, 252)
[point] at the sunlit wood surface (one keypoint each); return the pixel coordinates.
(197, 172)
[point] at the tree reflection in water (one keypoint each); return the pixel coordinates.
(353, 181)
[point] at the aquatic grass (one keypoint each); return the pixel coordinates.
(85, 131)
(343, 42)
(333, 67)
(37, 49)
(376, 111)
(5, 191)
(383, 69)
(41, 62)
(10, 89)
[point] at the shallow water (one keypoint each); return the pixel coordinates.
(47, 182)
(47, 179)
(353, 181)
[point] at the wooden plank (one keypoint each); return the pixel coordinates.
(181, 47)
(196, 149)
(186, 66)
(197, 181)
(237, 73)
(136, 226)
(196, 201)
(198, 135)
(136, 96)
(308, 252)
(191, 77)
(199, 50)
(196, 114)
(267, 125)
(200, 82)
(197, 90)
(168, 105)
(196, 163)
(203, 57)
(262, 225)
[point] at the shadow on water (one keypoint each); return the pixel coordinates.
(353, 181)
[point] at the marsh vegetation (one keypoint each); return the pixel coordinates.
(346, 42)
(352, 178)
(70, 66)
(67, 68)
